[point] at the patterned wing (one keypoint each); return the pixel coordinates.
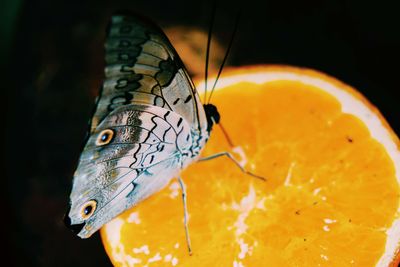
(133, 153)
(143, 68)
(147, 126)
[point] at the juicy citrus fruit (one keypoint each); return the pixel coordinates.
(332, 192)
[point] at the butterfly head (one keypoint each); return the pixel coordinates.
(212, 115)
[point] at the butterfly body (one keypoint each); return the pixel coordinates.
(148, 125)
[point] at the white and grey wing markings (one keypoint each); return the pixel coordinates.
(143, 68)
(144, 130)
(143, 138)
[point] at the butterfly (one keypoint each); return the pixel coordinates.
(148, 125)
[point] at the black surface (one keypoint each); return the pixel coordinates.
(56, 64)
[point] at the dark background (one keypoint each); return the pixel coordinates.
(52, 63)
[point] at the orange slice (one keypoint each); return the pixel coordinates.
(331, 197)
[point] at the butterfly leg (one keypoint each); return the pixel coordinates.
(229, 155)
(185, 214)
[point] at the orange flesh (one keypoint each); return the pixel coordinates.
(330, 194)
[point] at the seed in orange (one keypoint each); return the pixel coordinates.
(331, 198)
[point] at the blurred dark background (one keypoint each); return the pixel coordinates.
(52, 66)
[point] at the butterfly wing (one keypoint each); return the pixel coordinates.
(148, 118)
(144, 68)
(141, 155)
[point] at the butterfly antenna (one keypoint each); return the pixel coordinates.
(226, 55)
(208, 50)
